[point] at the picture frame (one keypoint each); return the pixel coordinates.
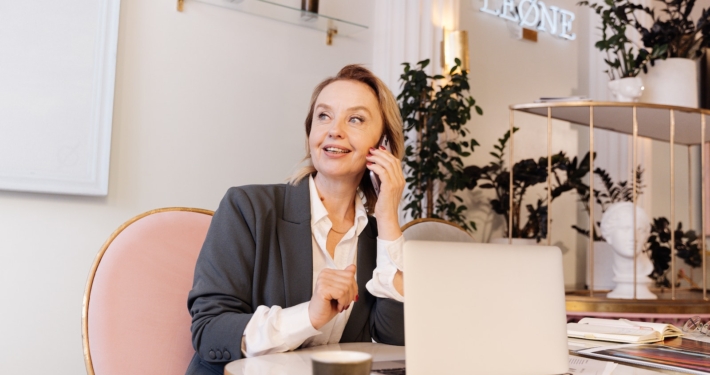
(56, 96)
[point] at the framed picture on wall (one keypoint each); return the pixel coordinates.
(57, 80)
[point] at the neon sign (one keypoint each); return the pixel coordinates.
(535, 14)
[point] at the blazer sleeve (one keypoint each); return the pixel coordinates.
(220, 300)
(387, 321)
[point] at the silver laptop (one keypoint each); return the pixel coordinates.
(483, 309)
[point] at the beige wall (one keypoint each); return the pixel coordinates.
(211, 98)
(507, 71)
(205, 99)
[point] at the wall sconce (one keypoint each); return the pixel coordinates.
(455, 44)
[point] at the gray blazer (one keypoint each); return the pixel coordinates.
(258, 251)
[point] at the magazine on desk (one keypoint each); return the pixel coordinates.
(681, 355)
(621, 330)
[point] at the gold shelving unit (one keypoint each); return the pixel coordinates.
(673, 124)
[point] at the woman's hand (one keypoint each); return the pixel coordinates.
(389, 169)
(335, 291)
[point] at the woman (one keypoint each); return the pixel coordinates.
(302, 264)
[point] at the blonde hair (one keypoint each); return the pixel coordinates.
(391, 118)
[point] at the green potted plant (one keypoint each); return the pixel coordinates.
(435, 110)
(677, 41)
(529, 220)
(610, 192)
(624, 59)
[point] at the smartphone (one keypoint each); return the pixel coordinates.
(373, 176)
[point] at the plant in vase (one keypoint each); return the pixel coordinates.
(526, 174)
(625, 60)
(611, 192)
(676, 41)
(434, 114)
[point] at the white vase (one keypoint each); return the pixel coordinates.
(603, 262)
(516, 241)
(627, 89)
(673, 81)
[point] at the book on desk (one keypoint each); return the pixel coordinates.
(621, 330)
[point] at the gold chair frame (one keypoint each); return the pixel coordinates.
(92, 273)
(432, 220)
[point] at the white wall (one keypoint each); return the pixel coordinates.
(505, 71)
(211, 98)
(205, 99)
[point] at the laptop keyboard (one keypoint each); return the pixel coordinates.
(391, 371)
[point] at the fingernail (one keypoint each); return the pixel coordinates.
(372, 149)
(382, 148)
(357, 297)
(370, 163)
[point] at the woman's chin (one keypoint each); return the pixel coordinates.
(339, 174)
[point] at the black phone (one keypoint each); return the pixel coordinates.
(384, 141)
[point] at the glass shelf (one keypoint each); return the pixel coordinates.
(274, 9)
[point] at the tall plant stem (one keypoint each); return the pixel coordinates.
(424, 101)
(421, 168)
(429, 199)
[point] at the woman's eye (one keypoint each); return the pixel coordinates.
(322, 117)
(356, 120)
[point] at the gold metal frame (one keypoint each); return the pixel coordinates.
(431, 220)
(672, 141)
(92, 273)
(520, 107)
(581, 302)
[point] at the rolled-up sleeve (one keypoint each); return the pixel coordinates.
(389, 261)
(276, 330)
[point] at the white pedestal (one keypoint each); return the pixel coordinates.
(625, 288)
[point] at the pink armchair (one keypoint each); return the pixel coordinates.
(135, 318)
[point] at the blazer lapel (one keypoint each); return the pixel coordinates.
(366, 262)
(294, 235)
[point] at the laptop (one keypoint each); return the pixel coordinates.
(482, 309)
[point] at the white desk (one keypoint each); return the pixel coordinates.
(299, 362)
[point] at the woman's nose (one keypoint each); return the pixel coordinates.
(337, 128)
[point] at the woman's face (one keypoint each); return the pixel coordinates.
(346, 123)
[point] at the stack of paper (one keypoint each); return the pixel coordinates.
(551, 99)
(586, 366)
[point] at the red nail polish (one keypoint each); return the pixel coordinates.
(369, 163)
(372, 149)
(357, 297)
(382, 148)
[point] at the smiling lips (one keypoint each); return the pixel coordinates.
(335, 150)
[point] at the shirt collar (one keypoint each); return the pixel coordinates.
(319, 213)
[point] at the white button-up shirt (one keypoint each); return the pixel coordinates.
(276, 329)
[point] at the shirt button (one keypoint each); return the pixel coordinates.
(219, 354)
(212, 355)
(227, 355)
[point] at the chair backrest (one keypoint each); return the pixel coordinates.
(135, 318)
(430, 229)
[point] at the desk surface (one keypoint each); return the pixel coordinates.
(299, 362)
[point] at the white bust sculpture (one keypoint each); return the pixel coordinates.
(617, 227)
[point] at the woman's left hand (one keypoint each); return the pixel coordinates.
(389, 169)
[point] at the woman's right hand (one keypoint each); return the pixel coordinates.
(335, 291)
